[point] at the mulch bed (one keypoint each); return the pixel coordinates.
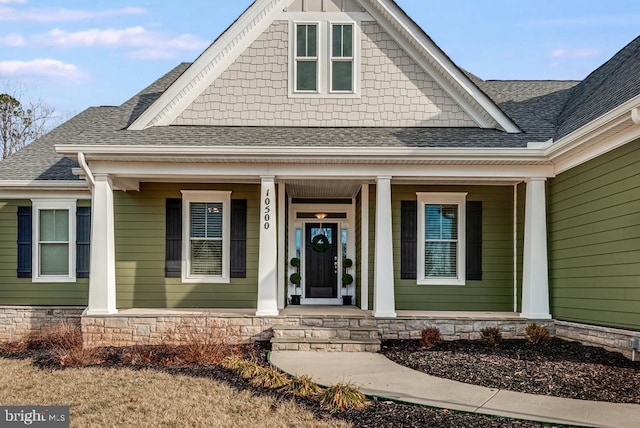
(379, 414)
(558, 368)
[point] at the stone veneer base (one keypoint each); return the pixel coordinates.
(17, 322)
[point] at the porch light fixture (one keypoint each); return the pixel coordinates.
(321, 216)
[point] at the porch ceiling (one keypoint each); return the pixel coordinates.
(323, 188)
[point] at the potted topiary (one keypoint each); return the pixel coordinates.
(295, 279)
(347, 280)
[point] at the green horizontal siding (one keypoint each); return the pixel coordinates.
(140, 252)
(594, 240)
(495, 291)
(21, 291)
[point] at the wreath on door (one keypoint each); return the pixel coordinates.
(320, 243)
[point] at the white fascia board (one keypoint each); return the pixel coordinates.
(446, 64)
(42, 184)
(238, 171)
(284, 153)
(211, 64)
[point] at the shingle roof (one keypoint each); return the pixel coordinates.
(542, 109)
(611, 85)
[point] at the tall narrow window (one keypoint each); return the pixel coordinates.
(342, 57)
(206, 237)
(306, 60)
(54, 250)
(441, 238)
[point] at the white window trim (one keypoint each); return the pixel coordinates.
(324, 59)
(296, 58)
(53, 204)
(460, 200)
(333, 59)
(224, 197)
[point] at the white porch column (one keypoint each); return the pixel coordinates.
(268, 253)
(535, 274)
(383, 284)
(282, 256)
(364, 249)
(102, 281)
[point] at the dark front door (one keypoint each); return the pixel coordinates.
(321, 276)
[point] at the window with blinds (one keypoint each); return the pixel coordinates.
(441, 238)
(206, 236)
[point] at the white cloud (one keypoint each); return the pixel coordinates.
(13, 40)
(47, 68)
(61, 14)
(145, 44)
(576, 53)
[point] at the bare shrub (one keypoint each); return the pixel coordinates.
(199, 345)
(491, 336)
(537, 335)
(64, 334)
(431, 337)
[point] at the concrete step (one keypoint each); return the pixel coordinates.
(353, 333)
(313, 338)
(326, 345)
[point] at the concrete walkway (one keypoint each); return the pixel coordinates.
(378, 376)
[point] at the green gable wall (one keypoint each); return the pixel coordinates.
(495, 291)
(140, 252)
(594, 240)
(21, 291)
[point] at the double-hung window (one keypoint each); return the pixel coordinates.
(306, 58)
(441, 238)
(324, 59)
(342, 58)
(54, 249)
(206, 242)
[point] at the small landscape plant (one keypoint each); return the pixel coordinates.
(303, 386)
(431, 337)
(343, 397)
(250, 369)
(537, 335)
(491, 336)
(270, 377)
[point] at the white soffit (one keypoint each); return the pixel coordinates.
(323, 188)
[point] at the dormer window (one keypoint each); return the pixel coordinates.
(342, 57)
(306, 61)
(324, 60)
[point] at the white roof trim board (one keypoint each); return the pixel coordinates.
(260, 15)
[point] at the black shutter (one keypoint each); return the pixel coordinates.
(83, 240)
(408, 239)
(173, 245)
(24, 242)
(238, 256)
(474, 241)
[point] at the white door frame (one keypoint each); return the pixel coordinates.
(347, 223)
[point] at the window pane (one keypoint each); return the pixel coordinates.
(342, 76)
(344, 242)
(328, 232)
(307, 76)
(440, 259)
(306, 41)
(298, 242)
(54, 225)
(301, 38)
(54, 259)
(342, 41)
(206, 220)
(206, 257)
(441, 222)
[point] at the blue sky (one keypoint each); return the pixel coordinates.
(74, 54)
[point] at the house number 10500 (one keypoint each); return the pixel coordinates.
(267, 211)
